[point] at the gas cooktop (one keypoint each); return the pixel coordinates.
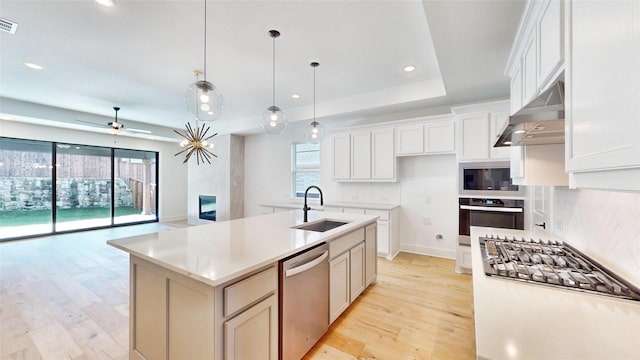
(551, 263)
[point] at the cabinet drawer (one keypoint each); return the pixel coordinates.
(249, 290)
(346, 242)
(383, 215)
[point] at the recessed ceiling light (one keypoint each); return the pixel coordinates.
(108, 3)
(33, 66)
(295, 96)
(409, 68)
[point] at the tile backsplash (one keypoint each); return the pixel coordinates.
(603, 224)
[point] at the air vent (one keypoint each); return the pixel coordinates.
(8, 26)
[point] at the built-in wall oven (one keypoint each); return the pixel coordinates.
(497, 213)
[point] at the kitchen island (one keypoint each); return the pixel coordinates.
(211, 291)
(522, 320)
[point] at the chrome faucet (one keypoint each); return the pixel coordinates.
(306, 208)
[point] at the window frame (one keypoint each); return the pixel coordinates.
(295, 170)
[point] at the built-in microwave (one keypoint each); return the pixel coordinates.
(487, 180)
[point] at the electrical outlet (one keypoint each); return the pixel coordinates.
(427, 200)
(426, 221)
(559, 226)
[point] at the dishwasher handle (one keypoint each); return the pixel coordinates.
(307, 266)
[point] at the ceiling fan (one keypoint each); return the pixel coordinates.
(115, 126)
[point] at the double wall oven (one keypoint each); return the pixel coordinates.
(487, 198)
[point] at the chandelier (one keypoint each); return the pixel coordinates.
(197, 142)
(274, 119)
(314, 132)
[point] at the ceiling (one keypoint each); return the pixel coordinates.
(140, 55)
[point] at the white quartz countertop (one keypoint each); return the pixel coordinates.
(517, 320)
(217, 252)
(343, 204)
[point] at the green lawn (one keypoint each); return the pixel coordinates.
(30, 217)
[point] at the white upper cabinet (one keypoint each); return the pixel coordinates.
(603, 94)
(383, 158)
(341, 145)
(550, 40)
(364, 155)
(361, 155)
(478, 127)
(529, 67)
(537, 56)
(498, 122)
(429, 135)
(410, 139)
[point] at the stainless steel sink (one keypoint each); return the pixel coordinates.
(320, 226)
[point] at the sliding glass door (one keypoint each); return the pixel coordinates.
(83, 187)
(25, 188)
(86, 187)
(135, 186)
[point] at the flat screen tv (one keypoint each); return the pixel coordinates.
(207, 207)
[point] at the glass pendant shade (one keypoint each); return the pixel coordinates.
(274, 120)
(203, 101)
(314, 133)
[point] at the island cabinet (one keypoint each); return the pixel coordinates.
(177, 317)
(352, 267)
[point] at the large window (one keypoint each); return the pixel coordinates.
(305, 169)
(76, 191)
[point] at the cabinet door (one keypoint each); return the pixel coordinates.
(341, 156)
(603, 86)
(339, 289)
(361, 155)
(383, 237)
(357, 272)
(473, 136)
(550, 35)
(529, 69)
(253, 334)
(371, 253)
(410, 139)
(498, 122)
(383, 157)
(541, 196)
(516, 89)
(439, 137)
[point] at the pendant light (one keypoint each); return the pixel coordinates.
(314, 132)
(274, 119)
(203, 100)
(195, 141)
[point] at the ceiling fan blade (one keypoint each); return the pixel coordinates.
(140, 131)
(90, 123)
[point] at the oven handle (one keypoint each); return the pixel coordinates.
(491, 208)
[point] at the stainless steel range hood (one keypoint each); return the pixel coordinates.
(539, 122)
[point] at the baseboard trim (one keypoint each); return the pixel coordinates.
(426, 250)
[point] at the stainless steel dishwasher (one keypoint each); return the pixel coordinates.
(304, 301)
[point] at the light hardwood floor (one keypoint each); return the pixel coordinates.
(66, 297)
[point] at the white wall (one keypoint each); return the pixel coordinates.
(603, 224)
(421, 179)
(172, 175)
(267, 168)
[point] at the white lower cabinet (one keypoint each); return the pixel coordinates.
(371, 254)
(383, 237)
(357, 281)
(339, 291)
(253, 334)
(352, 267)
